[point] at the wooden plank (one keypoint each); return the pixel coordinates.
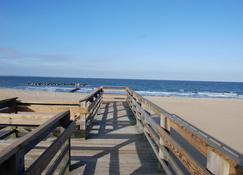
(40, 164)
(8, 104)
(4, 101)
(114, 97)
(28, 141)
(114, 87)
(14, 165)
(114, 145)
(6, 133)
(187, 160)
(201, 145)
(200, 142)
(217, 165)
(90, 96)
(199, 139)
(74, 110)
(23, 119)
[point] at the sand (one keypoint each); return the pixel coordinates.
(220, 118)
(41, 96)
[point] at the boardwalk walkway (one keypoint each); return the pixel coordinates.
(109, 118)
(114, 145)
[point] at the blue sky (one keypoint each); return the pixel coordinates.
(164, 39)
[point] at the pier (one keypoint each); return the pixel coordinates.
(112, 130)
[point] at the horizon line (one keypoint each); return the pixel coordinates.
(44, 76)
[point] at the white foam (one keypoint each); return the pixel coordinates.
(161, 93)
(54, 89)
(85, 90)
(192, 94)
(218, 95)
(180, 93)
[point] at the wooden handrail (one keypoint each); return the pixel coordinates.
(8, 104)
(193, 129)
(199, 139)
(114, 87)
(13, 155)
(92, 94)
(8, 100)
(89, 107)
(191, 164)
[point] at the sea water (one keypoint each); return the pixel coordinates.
(196, 89)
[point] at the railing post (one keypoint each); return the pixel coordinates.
(83, 125)
(217, 165)
(82, 120)
(14, 165)
(161, 142)
(69, 154)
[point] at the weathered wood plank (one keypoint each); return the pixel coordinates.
(188, 161)
(25, 119)
(93, 94)
(114, 145)
(40, 164)
(8, 104)
(199, 139)
(28, 141)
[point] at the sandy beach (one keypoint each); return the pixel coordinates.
(41, 96)
(221, 118)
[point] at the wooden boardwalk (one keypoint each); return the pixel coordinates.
(112, 130)
(114, 145)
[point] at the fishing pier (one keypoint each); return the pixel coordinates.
(112, 130)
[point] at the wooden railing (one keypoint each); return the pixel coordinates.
(172, 155)
(220, 159)
(12, 158)
(82, 111)
(9, 105)
(89, 107)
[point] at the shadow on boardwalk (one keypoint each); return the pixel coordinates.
(114, 145)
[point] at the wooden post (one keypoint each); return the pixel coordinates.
(166, 123)
(82, 121)
(14, 165)
(69, 154)
(161, 142)
(217, 165)
(138, 122)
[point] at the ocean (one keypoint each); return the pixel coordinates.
(195, 89)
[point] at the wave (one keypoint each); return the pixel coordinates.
(192, 94)
(179, 93)
(54, 89)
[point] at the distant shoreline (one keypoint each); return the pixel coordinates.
(144, 93)
(164, 88)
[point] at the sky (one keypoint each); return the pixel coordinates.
(135, 39)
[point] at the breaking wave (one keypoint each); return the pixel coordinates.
(192, 94)
(179, 93)
(54, 89)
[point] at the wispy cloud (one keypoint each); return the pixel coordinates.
(17, 55)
